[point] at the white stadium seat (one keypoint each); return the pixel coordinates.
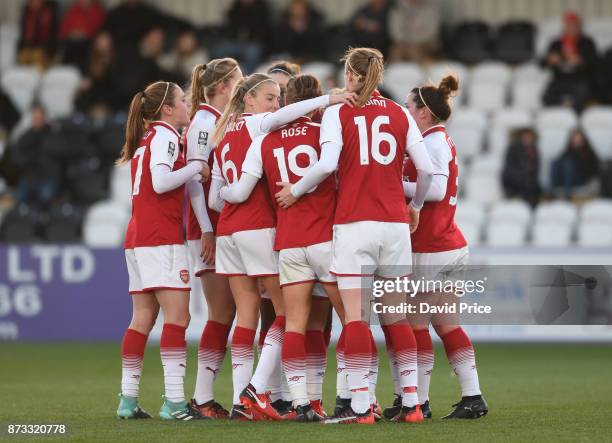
(9, 37)
(486, 96)
(21, 84)
(597, 124)
(550, 233)
(527, 86)
(503, 122)
(595, 234)
(556, 212)
(597, 211)
(553, 128)
(105, 224)
(511, 211)
(547, 31)
(471, 232)
(121, 185)
(57, 90)
(600, 30)
(467, 128)
(491, 72)
(401, 78)
(320, 70)
(439, 70)
(506, 234)
(469, 211)
(483, 189)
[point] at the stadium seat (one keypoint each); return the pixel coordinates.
(401, 78)
(553, 126)
(505, 233)
(486, 96)
(512, 211)
(600, 30)
(483, 189)
(9, 37)
(471, 232)
(503, 122)
(598, 210)
(550, 233)
(58, 87)
(105, 224)
(438, 70)
(320, 70)
(467, 128)
(470, 211)
(471, 42)
(487, 72)
(595, 234)
(527, 86)
(556, 212)
(121, 185)
(64, 224)
(597, 123)
(514, 42)
(21, 84)
(20, 225)
(546, 31)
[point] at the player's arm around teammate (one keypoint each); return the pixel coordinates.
(155, 252)
(211, 86)
(440, 251)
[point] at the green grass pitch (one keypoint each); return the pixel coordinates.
(539, 392)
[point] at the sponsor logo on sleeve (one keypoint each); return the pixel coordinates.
(171, 150)
(202, 141)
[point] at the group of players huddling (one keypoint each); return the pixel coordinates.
(286, 218)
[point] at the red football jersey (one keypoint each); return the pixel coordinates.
(437, 231)
(157, 219)
(373, 138)
(199, 147)
(285, 155)
(257, 212)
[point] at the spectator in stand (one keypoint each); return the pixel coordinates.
(38, 34)
(246, 29)
(302, 32)
(522, 166)
(415, 28)
(137, 67)
(95, 94)
(82, 21)
(184, 56)
(131, 20)
(576, 166)
(39, 175)
(369, 26)
(572, 58)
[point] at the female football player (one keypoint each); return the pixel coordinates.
(211, 87)
(372, 223)
(154, 247)
(245, 232)
(440, 250)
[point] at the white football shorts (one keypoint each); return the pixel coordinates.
(247, 253)
(157, 267)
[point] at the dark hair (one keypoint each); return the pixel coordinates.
(367, 64)
(435, 99)
(303, 87)
(285, 67)
(146, 106)
(205, 77)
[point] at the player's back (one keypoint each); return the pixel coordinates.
(437, 231)
(156, 218)
(373, 139)
(257, 211)
(287, 154)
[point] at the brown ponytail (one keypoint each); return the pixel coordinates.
(145, 107)
(435, 99)
(303, 87)
(235, 107)
(204, 78)
(367, 65)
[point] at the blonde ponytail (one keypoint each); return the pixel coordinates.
(367, 65)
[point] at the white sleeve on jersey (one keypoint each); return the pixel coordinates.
(239, 192)
(198, 204)
(199, 137)
(164, 148)
(436, 191)
(215, 201)
(414, 134)
(439, 152)
(165, 179)
(419, 156)
(331, 128)
(253, 163)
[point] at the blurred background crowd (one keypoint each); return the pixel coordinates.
(533, 121)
